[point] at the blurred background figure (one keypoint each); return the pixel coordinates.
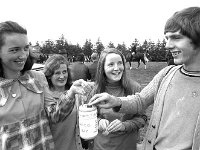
(93, 66)
(79, 70)
(169, 58)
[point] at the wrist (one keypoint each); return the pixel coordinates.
(70, 94)
(118, 104)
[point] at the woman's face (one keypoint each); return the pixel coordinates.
(113, 67)
(14, 53)
(60, 76)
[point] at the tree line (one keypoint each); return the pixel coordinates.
(156, 51)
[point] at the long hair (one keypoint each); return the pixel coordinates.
(101, 79)
(7, 28)
(52, 64)
(188, 22)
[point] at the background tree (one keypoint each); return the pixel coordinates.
(122, 48)
(88, 49)
(111, 45)
(156, 50)
(48, 47)
(61, 45)
(99, 46)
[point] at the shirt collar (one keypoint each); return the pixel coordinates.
(27, 80)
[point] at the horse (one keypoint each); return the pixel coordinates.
(136, 57)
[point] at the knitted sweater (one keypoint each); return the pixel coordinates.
(176, 105)
(122, 139)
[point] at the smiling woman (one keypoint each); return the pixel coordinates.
(116, 130)
(58, 75)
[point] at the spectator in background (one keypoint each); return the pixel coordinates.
(93, 66)
(79, 70)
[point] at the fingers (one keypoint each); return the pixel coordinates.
(81, 86)
(100, 100)
(103, 123)
(95, 99)
(77, 90)
(115, 126)
(105, 132)
(79, 82)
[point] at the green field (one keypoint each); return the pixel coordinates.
(145, 76)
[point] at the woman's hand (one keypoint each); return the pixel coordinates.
(115, 126)
(103, 123)
(79, 87)
(105, 100)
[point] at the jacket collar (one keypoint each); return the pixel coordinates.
(27, 80)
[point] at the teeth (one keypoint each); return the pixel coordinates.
(175, 53)
(21, 62)
(116, 73)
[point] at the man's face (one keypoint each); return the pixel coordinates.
(14, 53)
(182, 48)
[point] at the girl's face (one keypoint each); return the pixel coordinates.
(14, 53)
(113, 67)
(60, 76)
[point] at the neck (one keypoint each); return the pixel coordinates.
(192, 68)
(113, 83)
(189, 73)
(58, 89)
(9, 75)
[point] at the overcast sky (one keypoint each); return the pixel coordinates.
(110, 20)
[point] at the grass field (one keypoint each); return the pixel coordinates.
(144, 76)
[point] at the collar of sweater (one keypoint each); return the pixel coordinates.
(190, 73)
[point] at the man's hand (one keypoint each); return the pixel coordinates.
(105, 100)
